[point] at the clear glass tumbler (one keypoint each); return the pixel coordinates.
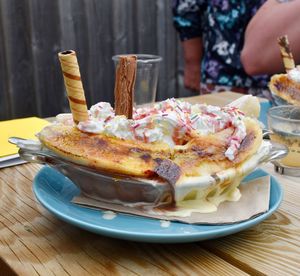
(284, 122)
(146, 77)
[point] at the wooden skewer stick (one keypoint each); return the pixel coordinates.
(124, 85)
(286, 53)
(73, 84)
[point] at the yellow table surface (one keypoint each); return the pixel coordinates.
(24, 128)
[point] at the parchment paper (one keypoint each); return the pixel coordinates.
(253, 202)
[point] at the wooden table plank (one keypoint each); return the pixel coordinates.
(34, 242)
(272, 247)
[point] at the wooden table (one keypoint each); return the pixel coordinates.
(34, 242)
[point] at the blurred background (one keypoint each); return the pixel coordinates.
(32, 32)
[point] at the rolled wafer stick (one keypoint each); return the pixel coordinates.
(70, 69)
(286, 53)
(124, 85)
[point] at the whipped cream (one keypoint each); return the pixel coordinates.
(294, 74)
(65, 118)
(171, 121)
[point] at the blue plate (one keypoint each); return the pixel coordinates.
(264, 107)
(55, 191)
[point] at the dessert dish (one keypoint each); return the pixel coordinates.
(192, 157)
(201, 151)
(286, 87)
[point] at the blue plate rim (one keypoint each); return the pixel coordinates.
(137, 235)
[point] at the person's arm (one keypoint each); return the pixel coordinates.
(261, 54)
(192, 51)
(187, 17)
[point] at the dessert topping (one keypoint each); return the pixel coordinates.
(294, 74)
(171, 121)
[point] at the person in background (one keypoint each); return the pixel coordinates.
(232, 44)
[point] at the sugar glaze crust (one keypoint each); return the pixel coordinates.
(202, 155)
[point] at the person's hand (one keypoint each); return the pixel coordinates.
(192, 76)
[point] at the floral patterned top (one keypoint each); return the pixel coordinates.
(221, 24)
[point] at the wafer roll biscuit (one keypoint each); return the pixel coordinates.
(70, 69)
(286, 53)
(124, 85)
